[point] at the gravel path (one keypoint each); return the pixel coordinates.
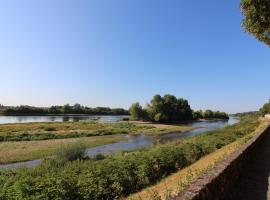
(254, 183)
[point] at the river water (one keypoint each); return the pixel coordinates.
(143, 141)
(140, 141)
(60, 118)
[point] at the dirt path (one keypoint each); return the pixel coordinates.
(254, 183)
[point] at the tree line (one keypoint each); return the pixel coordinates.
(264, 110)
(66, 109)
(171, 109)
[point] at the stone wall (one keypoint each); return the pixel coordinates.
(218, 181)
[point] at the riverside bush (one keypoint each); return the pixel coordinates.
(115, 176)
(72, 152)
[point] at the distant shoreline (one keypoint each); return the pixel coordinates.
(69, 115)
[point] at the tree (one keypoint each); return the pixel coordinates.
(197, 115)
(208, 114)
(136, 111)
(78, 109)
(265, 109)
(54, 110)
(168, 109)
(67, 109)
(257, 18)
(154, 107)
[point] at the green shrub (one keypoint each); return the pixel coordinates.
(50, 128)
(72, 152)
(99, 157)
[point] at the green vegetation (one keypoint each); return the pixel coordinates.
(11, 152)
(209, 114)
(137, 112)
(265, 109)
(244, 114)
(61, 130)
(170, 109)
(66, 109)
(257, 18)
(119, 175)
(29, 141)
(73, 151)
(178, 181)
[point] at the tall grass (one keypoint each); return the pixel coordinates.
(73, 151)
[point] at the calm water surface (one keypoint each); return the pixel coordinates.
(139, 141)
(65, 118)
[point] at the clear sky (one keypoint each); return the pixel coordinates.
(115, 52)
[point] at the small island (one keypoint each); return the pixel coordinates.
(169, 109)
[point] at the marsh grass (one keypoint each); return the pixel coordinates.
(73, 151)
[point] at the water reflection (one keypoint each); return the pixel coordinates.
(65, 118)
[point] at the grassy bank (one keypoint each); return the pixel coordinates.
(61, 130)
(119, 175)
(30, 150)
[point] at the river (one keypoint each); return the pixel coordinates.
(139, 141)
(60, 118)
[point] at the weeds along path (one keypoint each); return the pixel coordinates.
(254, 182)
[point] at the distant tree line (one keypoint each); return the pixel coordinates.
(209, 114)
(66, 109)
(171, 109)
(244, 114)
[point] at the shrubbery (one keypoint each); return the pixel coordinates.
(265, 109)
(115, 176)
(50, 128)
(170, 109)
(209, 114)
(70, 152)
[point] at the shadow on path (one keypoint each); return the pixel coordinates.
(253, 183)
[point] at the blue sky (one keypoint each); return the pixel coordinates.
(115, 52)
